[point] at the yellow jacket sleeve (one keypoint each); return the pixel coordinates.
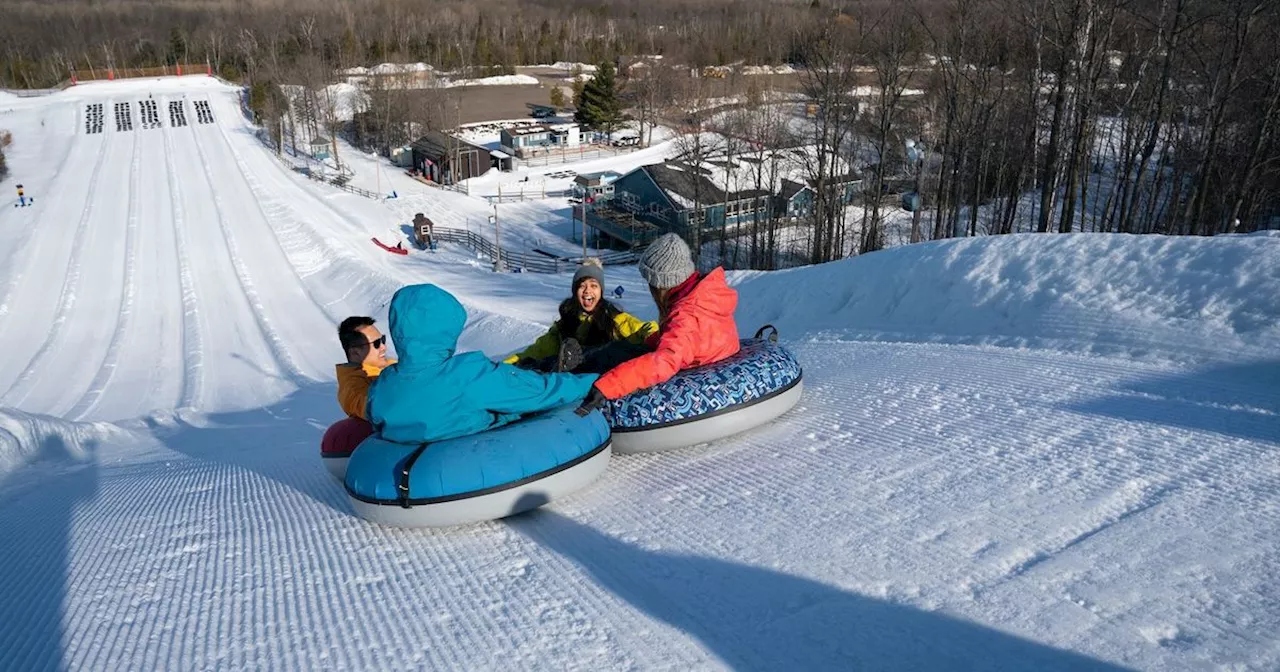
(353, 390)
(547, 345)
(634, 330)
(353, 387)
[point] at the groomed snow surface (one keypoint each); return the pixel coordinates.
(1023, 453)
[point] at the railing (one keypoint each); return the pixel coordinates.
(32, 93)
(339, 181)
(547, 157)
(92, 74)
(531, 195)
(532, 262)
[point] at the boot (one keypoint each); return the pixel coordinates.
(570, 356)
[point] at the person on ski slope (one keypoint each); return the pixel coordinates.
(590, 321)
(434, 393)
(695, 318)
(366, 350)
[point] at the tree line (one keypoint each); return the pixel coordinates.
(1137, 116)
(43, 42)
(1130, 116)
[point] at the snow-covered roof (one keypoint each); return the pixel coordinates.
(746, 173)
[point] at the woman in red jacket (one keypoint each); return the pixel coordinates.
(695, 323)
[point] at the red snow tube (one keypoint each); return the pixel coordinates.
(340, 440)
(392, 250)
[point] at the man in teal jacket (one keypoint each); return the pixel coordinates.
(431, 394)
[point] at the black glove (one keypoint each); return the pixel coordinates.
(526, 363)
(595, 399)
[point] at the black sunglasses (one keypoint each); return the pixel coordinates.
(375, 343)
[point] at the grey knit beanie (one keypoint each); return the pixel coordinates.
(667, 262)
(590, 268)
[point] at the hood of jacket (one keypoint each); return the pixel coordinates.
(426, 322)
(710, 295)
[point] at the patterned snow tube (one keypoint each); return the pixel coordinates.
(340, 441)
(480, 477)
(755, 386)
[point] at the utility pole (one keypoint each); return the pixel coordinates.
(497, 240)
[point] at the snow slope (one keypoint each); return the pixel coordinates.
(1029, 452)
(1153, 298)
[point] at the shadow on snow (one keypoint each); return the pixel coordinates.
(758, 619)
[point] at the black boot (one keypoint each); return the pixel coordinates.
(570, 356)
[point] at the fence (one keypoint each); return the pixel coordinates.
(534, 194)
(339, 181)
(581, 153)
(290, 162)
(92, 74)
(31, 93)
(534, 262)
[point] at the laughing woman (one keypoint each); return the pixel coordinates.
(587, 322)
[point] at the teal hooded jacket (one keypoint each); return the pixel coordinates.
(432, 394)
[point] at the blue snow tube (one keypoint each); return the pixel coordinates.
(755, 386)
(480, 477)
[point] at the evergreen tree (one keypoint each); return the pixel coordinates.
(177, 46)
(599, 108)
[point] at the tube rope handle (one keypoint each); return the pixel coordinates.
(773, 337)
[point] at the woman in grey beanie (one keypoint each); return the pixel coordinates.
(696, 325)
(587, 320)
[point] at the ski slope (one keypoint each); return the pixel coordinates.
(1027, 452)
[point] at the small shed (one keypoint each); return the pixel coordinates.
(319, 148)
(423, 230)
(501, 160)
(446, 159)
(402, 156)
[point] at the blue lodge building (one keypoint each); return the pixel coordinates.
(681, 197)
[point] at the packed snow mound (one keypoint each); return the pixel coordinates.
(496, 80)
(1148, 297)
(26, 436)
(567, 65)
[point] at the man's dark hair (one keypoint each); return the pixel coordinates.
(348, 334)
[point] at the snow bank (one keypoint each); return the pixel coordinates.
(567, 66)
(387, 69)
(497, 80)
(1147, 297)
(869, 91)
(768, 70)
(25, 436)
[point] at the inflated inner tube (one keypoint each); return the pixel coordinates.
(340, 441)
(480, 477)
(756, 385)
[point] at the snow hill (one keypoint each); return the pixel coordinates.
(1027, 452)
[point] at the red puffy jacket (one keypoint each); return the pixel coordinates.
(699, 329)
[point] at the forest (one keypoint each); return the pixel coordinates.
(1000, 116)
